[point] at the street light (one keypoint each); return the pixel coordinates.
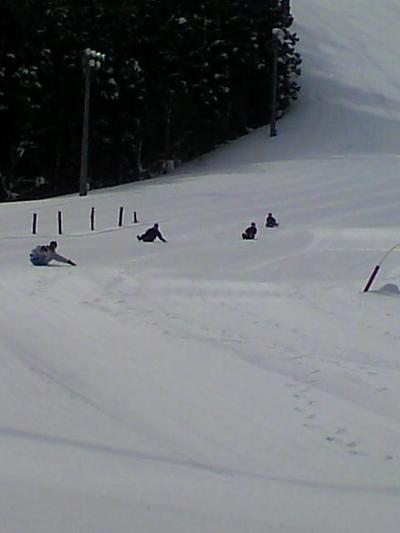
(277, 36)
(91, 60)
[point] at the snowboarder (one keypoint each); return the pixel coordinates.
(270, 221)
(43, 254)
(151, 234)
(250, 232)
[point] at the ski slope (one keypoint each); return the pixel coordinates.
(214, 385)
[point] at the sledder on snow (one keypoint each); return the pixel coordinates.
(270, 221)
(151, 235)
(250, 232)
(43, 254)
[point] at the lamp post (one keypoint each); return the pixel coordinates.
(91, 60)
(277, 35)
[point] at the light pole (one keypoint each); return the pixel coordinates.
(277, 35)
(91, 60)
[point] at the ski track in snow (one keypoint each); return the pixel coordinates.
(262, 341)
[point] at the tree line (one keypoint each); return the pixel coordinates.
(179, 78)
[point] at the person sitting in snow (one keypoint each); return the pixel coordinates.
(151, 235)
(270, 221)
(250, 232)
(43, 254)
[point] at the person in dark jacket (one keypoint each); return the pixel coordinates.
(250, 232)
(270, 221)
(151, 235)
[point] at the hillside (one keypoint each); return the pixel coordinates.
(209, 384)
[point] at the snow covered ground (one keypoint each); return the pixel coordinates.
(213, 385)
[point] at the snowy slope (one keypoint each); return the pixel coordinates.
(213, 385)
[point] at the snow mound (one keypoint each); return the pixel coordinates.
(389, 288)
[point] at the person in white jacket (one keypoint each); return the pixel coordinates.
(43, 254)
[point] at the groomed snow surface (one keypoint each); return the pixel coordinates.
(209, 384)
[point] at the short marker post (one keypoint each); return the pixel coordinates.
(60, 228)
(121, 216)
(371, 278)
(34, 223)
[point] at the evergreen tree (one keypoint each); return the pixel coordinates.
(180, 77)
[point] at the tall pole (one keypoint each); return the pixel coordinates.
(91, 60)
(274, 83)
(85, 132)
